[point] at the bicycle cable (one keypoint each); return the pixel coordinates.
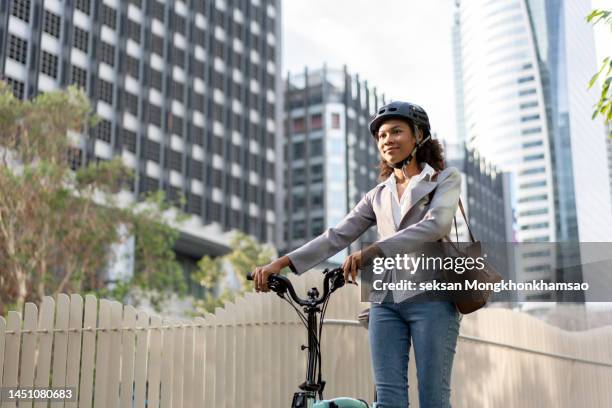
(312, 331)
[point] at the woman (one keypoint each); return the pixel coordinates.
(414, 203)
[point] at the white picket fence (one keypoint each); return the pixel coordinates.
(247, 354)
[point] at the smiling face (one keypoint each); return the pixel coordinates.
(395, 140)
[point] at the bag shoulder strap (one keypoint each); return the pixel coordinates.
(467, 224)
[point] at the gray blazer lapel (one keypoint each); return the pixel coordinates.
(420, 190)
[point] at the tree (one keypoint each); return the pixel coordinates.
(57, 225)
(246, 254)
(603, 106)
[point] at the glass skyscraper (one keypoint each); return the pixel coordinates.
(523, 68)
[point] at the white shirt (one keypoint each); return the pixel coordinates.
(400, 205)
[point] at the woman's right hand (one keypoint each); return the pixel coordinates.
(261, 274)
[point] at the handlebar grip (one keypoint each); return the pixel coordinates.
(249, 276)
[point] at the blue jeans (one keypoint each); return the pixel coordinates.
(433, 327)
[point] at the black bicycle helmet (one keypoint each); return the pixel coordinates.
(402, 110)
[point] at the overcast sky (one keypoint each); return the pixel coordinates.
(403, 48)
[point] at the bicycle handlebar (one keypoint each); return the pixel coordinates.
(334, 279)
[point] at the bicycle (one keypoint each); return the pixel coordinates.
(313, 305)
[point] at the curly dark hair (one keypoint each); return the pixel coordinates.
(431, 153)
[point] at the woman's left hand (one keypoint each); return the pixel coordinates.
(351, 265)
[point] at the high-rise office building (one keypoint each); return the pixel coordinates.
(330, 158)
(524, 66)
(485, 194)
(187, 92)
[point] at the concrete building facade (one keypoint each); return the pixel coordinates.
(331, 160)
(188, 93)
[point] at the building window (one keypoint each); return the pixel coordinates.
(298, 150)
(218, 17)
(527, 92)
(316, 173)
(531, 131)
(49, 64)
(299, 229)
(198, 103)
(102, 131)
(17, 86)
(198, 36)
(179, 23)
(218, 145)
(217, 80)
(538, 211)
(532, 144)
(194, 204)
(78, 77)
(152, 152)
(109, 16)
(82, 5)
(21, 9)
(174, 160)
(178, 57)
(131, 103)
(533, 184)
(196, 169)
(217, 178)
(534, 157)
(105, 91)
(196, 68)
(218, 113)
(133, 30)
(298, 125)
(80, 39)
(128, 140)
(526, 79)
(316, 121)
(197, 135)
(530, 118)
(148, 184)
(157, 10)
(238, 29)
(534, 226)
(108, 53)
(298, 178)
(51, 24)
(316, 147)
(18, 49)
(335, 121)
(177, 90)
(528, 199)
(157, 45)
(218, 49)
(317, 226)
(154, 114)
(156, 79)
(176, 125)
(527, 105)
(132, 66)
